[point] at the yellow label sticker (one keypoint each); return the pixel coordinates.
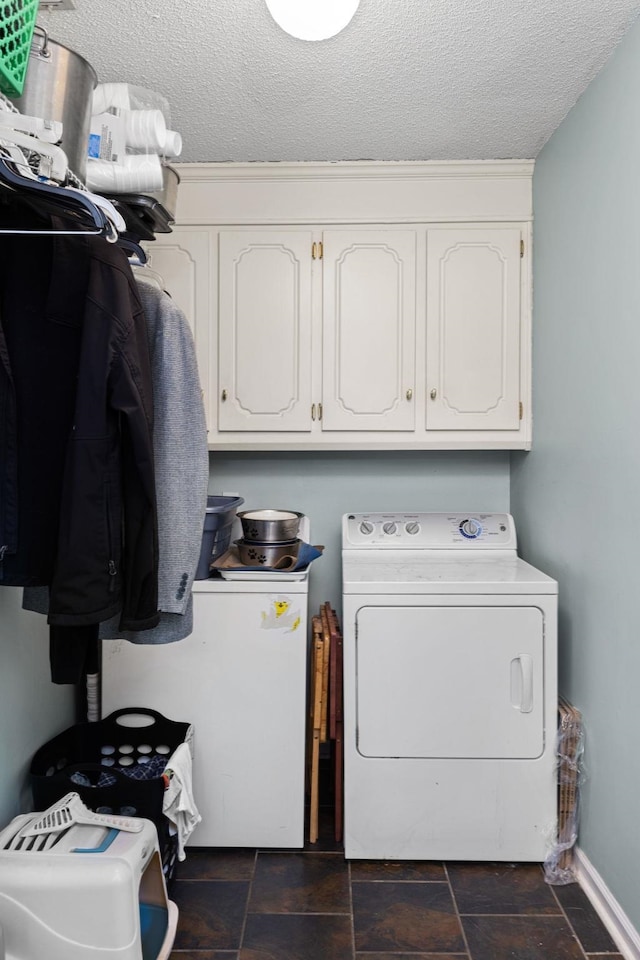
(281, 616)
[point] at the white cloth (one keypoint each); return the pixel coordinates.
(178, 804)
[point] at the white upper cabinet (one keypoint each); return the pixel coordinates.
(264, 330)
(355, 306)
(357, 288)
(368, 329)
(183, 260)
(473, 328)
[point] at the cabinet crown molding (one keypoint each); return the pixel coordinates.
(357, 191)
(373, 169)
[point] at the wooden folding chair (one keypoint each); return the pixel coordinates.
(315, 723)
(325, 716)
(336, 723)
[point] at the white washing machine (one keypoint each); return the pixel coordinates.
(450, 690)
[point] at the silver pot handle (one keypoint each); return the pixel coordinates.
(44, 52)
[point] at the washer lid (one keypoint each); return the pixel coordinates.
(438, 572)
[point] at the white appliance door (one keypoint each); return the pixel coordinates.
(240, 679)
(458, 682)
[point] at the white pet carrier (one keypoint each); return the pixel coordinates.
(76, 885)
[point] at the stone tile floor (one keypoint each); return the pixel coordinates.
(313, 905)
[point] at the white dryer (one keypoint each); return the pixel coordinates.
(450, 690)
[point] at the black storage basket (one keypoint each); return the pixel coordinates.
(83, 749)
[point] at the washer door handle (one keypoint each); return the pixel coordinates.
(522, 669)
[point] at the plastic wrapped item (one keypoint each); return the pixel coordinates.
(172, 144)
(135, 174)
(109, 96)
(558, 866)
(130, 138)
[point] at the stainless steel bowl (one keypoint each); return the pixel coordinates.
(281, 556)
(270, 526)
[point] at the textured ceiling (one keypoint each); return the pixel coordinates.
(406, 80)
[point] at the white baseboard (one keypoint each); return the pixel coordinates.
(624, 934)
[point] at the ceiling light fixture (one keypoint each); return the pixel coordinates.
(312, 19)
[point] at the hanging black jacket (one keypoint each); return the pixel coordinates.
(77, 493)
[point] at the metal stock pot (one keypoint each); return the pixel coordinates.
(59, 85)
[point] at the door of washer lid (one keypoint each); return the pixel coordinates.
(450, 682)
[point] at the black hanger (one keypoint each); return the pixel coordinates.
(72, 206)
(137, 227)
(144, 213)
(132, 248)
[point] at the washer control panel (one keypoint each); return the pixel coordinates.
(428, 531)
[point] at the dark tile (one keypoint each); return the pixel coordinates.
(206, 955)
(527, 938)
(211, 913)
(297, 937)
(300, 883)
(501, 888)
(210, 863)
(397, 870)
(587, 925)
(412, 956)
(415, 917)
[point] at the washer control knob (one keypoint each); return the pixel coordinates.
(390, 527)
(471, 529)
(367, 528)
(412, 527)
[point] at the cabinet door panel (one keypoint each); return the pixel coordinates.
(463, 682)
(183, 260)
(369, 330)
(265, 330)
(473, 328)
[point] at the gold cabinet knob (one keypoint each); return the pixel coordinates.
(409, 393)
(433, 394)
(224, 395)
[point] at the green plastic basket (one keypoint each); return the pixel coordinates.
(17, 20)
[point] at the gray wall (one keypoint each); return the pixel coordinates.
(326, 485)
(32, 709)
(575, 495)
